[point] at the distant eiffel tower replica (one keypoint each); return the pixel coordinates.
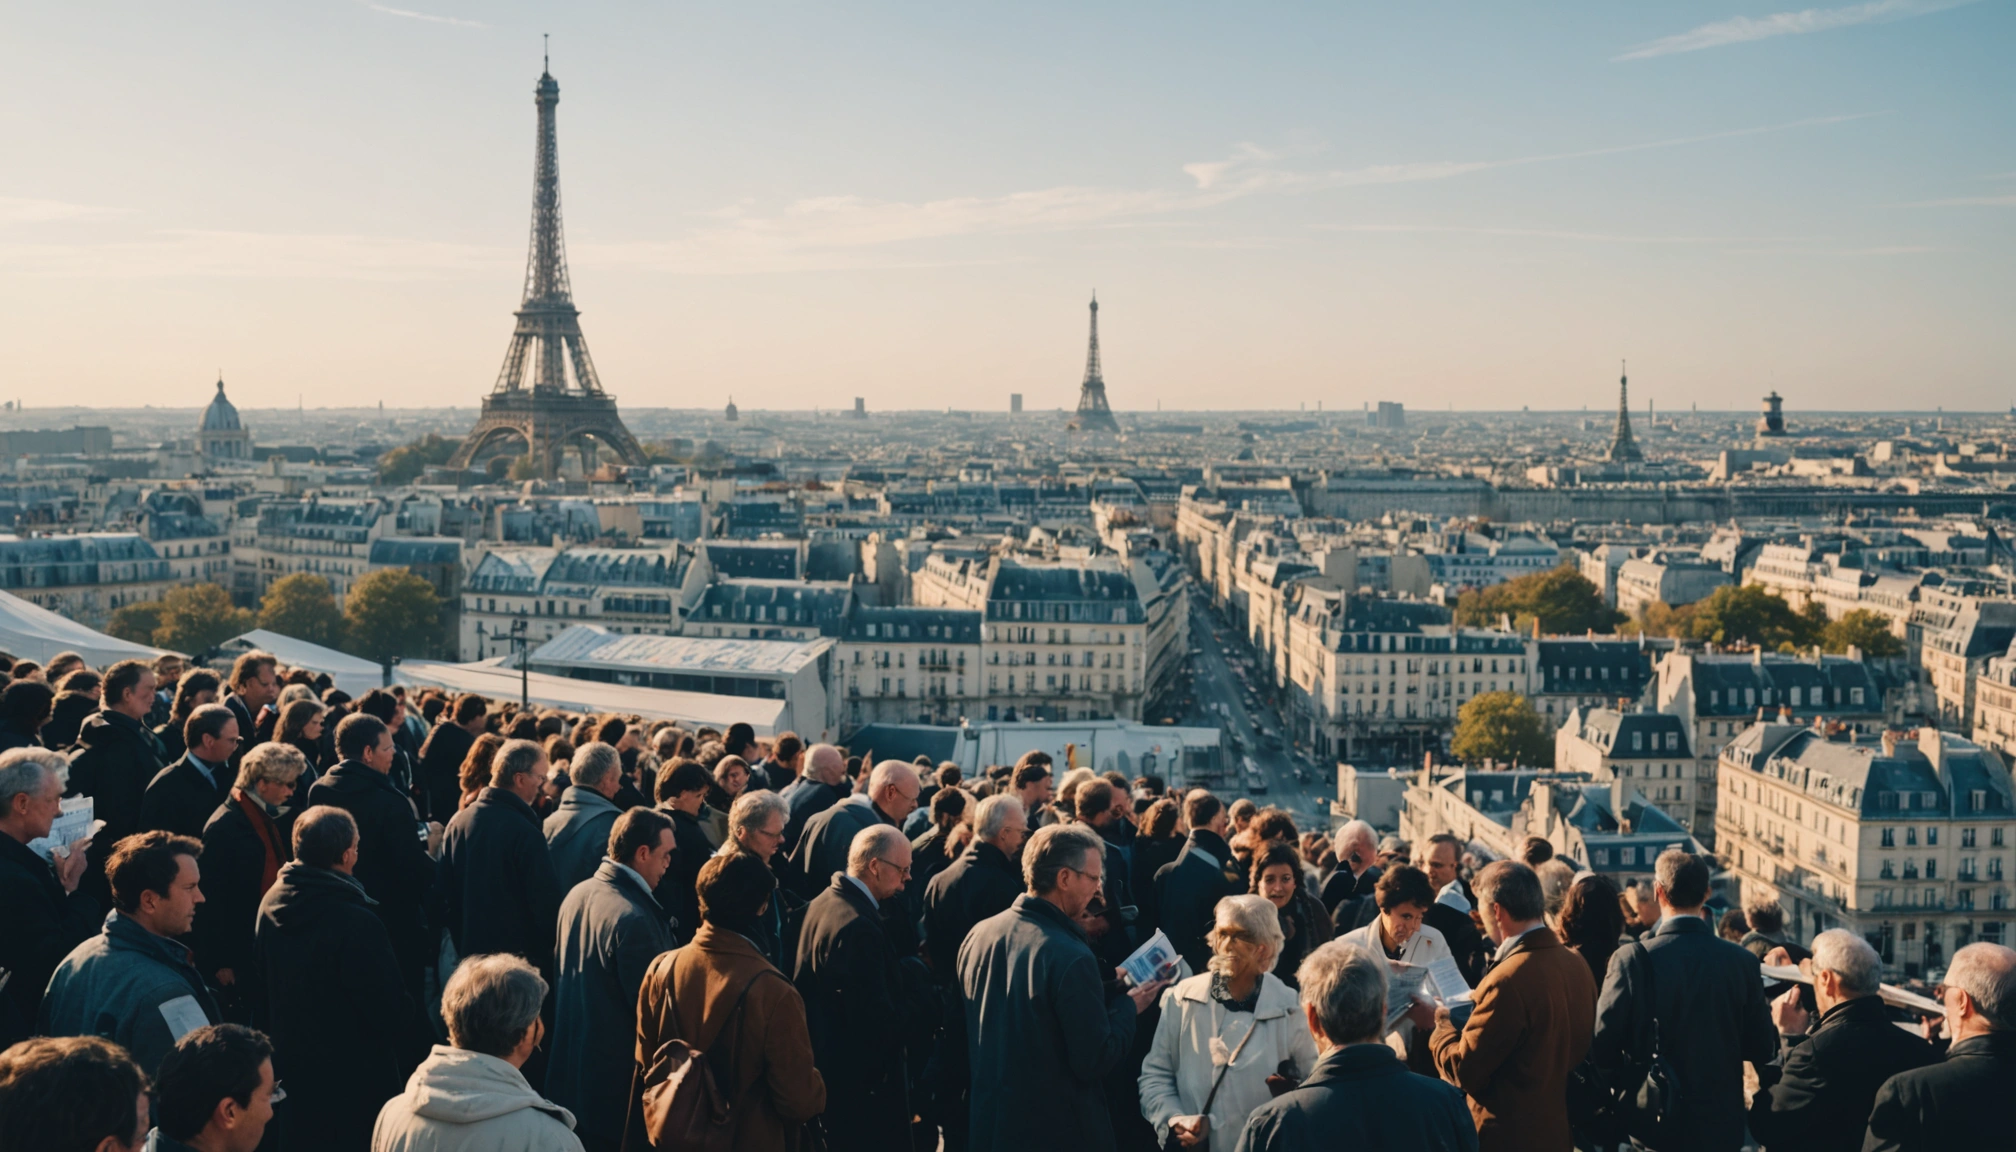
(1093, 413)
(534, 399)
(1623, 448)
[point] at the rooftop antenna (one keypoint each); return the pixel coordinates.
(545, 52)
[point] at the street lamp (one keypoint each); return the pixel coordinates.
(520, 643)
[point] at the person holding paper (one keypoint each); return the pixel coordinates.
(47, 912)
(1400, 933)
(1223, 1033)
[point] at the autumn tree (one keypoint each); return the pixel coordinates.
(406, 463)
(302, 606)
(1561, 601)
(1864, 629)
(391, 612)
(1754, 615)
(1502, 726)
(136, 622)
(198, 617)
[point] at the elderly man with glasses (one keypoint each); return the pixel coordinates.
(863, 1002)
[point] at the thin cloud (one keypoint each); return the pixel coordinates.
(259, 255)
(409, 14)
(1967, 202)
(1744, 29)
(1758, 245)
(21, 210)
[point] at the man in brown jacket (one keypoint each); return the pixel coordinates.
(1535, 1013)
(691, 994)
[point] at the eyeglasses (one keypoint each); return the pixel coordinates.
(902, 870)
(279, 1093)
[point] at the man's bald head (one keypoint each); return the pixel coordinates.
(894, 787)
(826, 764)
(1357, 837)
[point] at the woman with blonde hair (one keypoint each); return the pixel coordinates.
(1223, 1033)
(475, 771)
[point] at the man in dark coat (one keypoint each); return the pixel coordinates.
(47, 911)
(1188, 888)
(821, 785)
(255, 685)
(982, 882)
(1965, 1101)
(610, 930)
(1828, 1073)
(1708, 998)
(1349, 891)
(682, 792)
(861, 1003)
(1042, 1031)
(1359, 1096)
(345, 1033)
(395, 861)
(114, 759)
(245, 848)
(441, 757)
(822, 849)
(497, 884)
(577, 833)
(1439, 856)
(182, 796)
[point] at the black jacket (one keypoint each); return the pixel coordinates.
(610, 932)
(440, 770)
(1361, 1097)
(345, 1033)
(1342, 895)
(180, 799)
(1042, 1032)
(392, 861)
(805, 798)
(112, 762)
(861, 1005)
(1709, 1003)
(497, 884)
(1828, 1080)
(248, 727)
(1187, 891)
(43, 924)
(928, 857)
(1964, 1102)
(678, 891)
(1467, 946)
(1149, 854)
(982, 882)
(234, 861)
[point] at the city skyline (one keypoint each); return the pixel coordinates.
(1810, 202)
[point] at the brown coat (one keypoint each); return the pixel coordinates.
(1535, 1015)
(775, 1088)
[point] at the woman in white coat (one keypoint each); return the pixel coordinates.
(1238, 1019)
(1398, 933)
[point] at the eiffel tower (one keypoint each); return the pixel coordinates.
(1093, 413)
(1623, 448)
(534, 400)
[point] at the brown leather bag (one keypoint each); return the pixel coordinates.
(685, 1108)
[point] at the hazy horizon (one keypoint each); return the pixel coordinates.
(1443, 205)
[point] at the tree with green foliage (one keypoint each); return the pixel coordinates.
(136, 622)
(526, 468)
(391, 612)
(1754, 615)
(302, 606)
(1502, 726)
(405, 464)
(1869, 631)
(198, 617)
(1561, 600)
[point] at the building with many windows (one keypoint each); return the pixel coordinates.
(1587, 673)
(1903, 838)
(86, 576)
(1650, 751)
(909, 665)
(647, 591)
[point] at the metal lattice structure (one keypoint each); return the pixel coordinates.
(1094, 414)
(1623, 448)
(547, 392)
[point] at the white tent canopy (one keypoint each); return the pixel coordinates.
(353, 674)
(493, 679)
(31, 632)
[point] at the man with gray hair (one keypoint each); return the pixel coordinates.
(822, 851)
(1348, 891)
(577, 833)
(1359, 1095)
(1829, 1069)
(756, 826)
(1965, 1101)
(48, 913)
(863, 1003)
(1041, 1031)
(496, 876)
(819, 787)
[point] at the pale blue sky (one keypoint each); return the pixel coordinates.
(1278, 204)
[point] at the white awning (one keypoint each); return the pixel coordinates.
(353, 674)
(31, 632)
(496, 681)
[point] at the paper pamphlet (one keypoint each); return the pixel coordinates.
(183, 1016)
(1892, 995)
(72, 824)
(1403, 982)
(1448, 979)
(1149, 959)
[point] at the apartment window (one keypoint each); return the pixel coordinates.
(1932, 835)
(1911, 837)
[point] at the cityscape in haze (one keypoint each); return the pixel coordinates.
(1439, 432)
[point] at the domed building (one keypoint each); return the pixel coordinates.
(222, 437)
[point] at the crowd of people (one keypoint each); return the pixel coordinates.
(411, 921)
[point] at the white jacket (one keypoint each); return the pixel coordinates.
(1177, 1074)
(460, 1101)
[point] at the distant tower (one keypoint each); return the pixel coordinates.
(222, 437)
(534, 402)
(1093, 412)
(1772, 423)
(1015, 402)
(1623, 449)
(733, 413)
(860, 408)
